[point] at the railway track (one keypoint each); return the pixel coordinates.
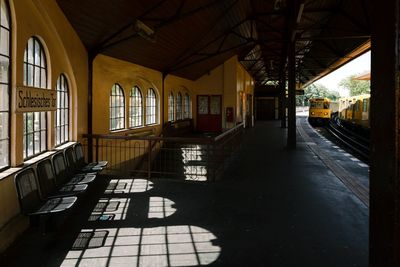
(353, 141)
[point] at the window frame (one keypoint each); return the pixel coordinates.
(8, 83)
(187, 104)
(179, 106)
(149, 106)
(116, 107)
(171, 107)
(62, 128)
(131, 106)
(43, 84)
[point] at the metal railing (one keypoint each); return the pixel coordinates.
(193, 158)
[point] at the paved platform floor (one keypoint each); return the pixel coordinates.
(275, 207)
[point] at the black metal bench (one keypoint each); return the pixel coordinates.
(49, 184)
(32, 204)
(65, 175)
(76, 160)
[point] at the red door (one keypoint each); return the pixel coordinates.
(209, 115)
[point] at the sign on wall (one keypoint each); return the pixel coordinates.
(31, 99)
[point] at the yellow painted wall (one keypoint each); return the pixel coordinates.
(65, 54)
(106, 72)
(175, 85)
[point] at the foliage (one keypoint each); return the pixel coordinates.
(316, 90)
(355, 87)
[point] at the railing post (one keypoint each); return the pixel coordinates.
(149, 160)
(97, 149)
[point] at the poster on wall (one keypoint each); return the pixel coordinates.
(30, 99)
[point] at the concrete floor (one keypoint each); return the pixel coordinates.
(275, 207)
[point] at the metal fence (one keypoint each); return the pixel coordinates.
(202, 159)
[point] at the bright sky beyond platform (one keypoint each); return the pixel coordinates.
(359, 65)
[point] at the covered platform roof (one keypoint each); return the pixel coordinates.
(189, 38)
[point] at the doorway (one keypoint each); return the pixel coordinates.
(209, 113)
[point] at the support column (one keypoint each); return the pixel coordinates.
(291, 139)
(90, 106)
(385, 140)
(282, 100)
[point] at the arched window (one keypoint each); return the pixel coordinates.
(62, 114)
(35, 75)
(136, 108)
(179, 114)
(4, 85)
(117, 108)
(187, 107)
(171, 105)
(151, 107)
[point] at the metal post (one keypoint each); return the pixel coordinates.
(97, 149)
(149, 160)
(90, 106)
(384, 235)
(291, 139)
(282, 102)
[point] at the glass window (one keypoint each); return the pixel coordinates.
(179, 114)
(4, 85)
(62, 114)
(365, 105)
(171, 104)
(187, 107)
(151, 107)
(136, 108)
(35, 75)
(117, 108)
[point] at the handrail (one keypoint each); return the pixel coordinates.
(205, 140)
(222, 135)
(188, 157)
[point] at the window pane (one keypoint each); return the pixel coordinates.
(4, 42)
(36, 77)
(29, 122)
(4, 153)
(4, 15)
(215, 105)
(43, 80)
(4, 97)
(30, 75)
(3, 125)
(43, 141)
(4, 67)
(30, 51)
(37, 54)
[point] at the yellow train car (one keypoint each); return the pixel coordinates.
(320, 111)
(355, 110)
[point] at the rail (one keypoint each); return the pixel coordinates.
(187, 158)
(355, 142)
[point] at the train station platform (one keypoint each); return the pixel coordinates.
(274, 207)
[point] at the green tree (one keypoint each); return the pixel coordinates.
(355, 87)
(317, 90)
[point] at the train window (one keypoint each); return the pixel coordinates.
(136, 107)
(326, 105)
(365, 105)
(179, 106)
(4, 86)
(171, 104)
(35, 75)
(117, 108)
(187, 105)
(151, 107)
(316, 104)
(62, 114)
